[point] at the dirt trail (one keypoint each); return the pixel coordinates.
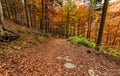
(56, 57)
(48, 60)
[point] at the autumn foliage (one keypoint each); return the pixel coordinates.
(64, 18)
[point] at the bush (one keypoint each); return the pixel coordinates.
(81, 41)
(111, 52)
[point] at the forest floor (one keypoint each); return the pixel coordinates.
(28, 56)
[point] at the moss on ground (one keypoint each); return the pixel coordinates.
(41, 38)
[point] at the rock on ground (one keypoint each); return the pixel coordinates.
(69, 65)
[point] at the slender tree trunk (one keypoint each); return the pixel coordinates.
(46, 16)
(42, 20)
(113, 43)
(67, 26)
(89, 20)
(78, 30)
(74, 31)
(107, 39)
(1, 20)
(15, 14)
(34, 14)
(7, 8)
(101, 29)
(27, 14)
(83, 29)
(11, 8)
(30, 13)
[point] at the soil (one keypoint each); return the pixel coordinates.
(50, 58)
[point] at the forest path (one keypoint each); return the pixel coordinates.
(55, 57)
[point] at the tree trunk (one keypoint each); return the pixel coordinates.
(67, 26)
(7, 7)
(42, 20)
(1, 20)
(115, 37)
(101, 29)
(30, 14)
(89, 20)
(45, 16)
(11, 8)
(34, 15)
(27, 14)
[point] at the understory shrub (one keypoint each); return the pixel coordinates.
(81, 41)
(113, 52)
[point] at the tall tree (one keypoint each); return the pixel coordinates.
(43, 15)
(27, 14)
(69, 7)
(89, 20)
(7, 8)
(1, 20)
(101, 29)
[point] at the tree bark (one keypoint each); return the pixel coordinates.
(27, 14)
(115, 37)
(68, 22)
(7, 7)
(1, 20)
(101, 29)
(42, 20)
(89, 20)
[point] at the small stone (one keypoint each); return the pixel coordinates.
(67, 59)
(80, 67)
(69, 66)
(91, 72)
(59, 57)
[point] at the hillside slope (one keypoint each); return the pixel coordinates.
(28, 56)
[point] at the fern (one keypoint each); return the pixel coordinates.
(81, 41)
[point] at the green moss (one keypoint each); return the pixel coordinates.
(16, 47)
(6, 32)
(1, 50)
(23, 32)
(41, 38)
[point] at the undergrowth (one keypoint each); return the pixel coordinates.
(110, 51)
(81, 41)
(42, 38)
(115, 53)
